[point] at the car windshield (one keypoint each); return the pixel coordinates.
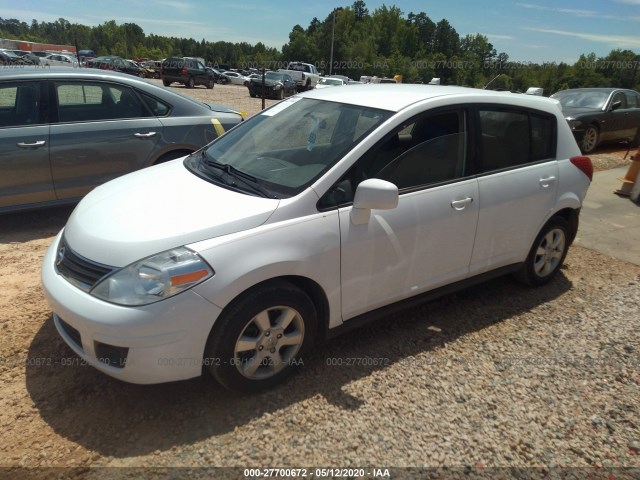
(330, 81)
(581, 99)
(273, 76)
(289, 146)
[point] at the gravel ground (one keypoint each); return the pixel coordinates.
(498, 375)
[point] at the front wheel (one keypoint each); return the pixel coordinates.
(166, 83)
(547, 253)
(589, 140)
(259, 339)
(210, 84)
(190, 83)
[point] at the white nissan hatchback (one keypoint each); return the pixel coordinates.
(327, 210)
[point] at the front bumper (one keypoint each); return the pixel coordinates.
(156, 343)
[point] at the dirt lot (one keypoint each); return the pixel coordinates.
(497, 375)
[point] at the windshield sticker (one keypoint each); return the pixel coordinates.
(313, 134)
(278, 107)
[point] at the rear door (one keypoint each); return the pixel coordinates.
(25, 176)
(104, 130)
(518, 183)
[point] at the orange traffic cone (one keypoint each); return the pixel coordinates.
(630, 177)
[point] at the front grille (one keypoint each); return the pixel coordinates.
(71, 332)
(79, 271)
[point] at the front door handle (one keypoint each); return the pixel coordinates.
(461, 204)
(35, 144)
(546, 182)
(144, 135)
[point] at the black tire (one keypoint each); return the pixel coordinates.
(255, 318)
(589, 139)
(166, 83)
(252, 94)
(210, 84)
(190, 83)
(156, 75)
(308, 85)
(547, 253)
(281, 94)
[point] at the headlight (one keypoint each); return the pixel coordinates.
(573, 123)
(154, 278)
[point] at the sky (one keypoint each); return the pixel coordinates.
(528, 31)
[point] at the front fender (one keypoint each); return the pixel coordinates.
(307, 247)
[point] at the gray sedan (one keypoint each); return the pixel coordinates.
(64, 131)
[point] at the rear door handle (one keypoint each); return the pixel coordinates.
(35, 144)
(461, 204)
(546, 182)
(144, 135)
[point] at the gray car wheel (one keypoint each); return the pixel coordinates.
(547, 253)
(190, 83)
(259, 339)
(589, 140)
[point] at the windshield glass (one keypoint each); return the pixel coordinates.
(330, 81)
(272, 76)
(290, 145)
(581, 99)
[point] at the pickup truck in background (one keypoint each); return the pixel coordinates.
(304, 74)
(187, 70)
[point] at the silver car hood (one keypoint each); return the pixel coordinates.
(155, 209)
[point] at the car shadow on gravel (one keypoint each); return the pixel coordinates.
(117, 419)
(32, 225)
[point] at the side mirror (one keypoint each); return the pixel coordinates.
(615, 105)
(373, 194)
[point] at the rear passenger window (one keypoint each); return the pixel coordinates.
(83, 102)
(513, 138)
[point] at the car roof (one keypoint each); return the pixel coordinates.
(396, 97)
(38, 72)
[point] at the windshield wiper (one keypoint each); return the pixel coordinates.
(234, 174)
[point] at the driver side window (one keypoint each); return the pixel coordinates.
(428, 150)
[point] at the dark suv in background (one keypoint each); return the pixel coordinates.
(186, 70)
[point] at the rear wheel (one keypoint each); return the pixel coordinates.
(589, 140)
(547, 253)
(260, 338)
(210, 84)
(166, 83)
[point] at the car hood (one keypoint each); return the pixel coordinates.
(155, 209)
(576, 111)
(267, 82)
